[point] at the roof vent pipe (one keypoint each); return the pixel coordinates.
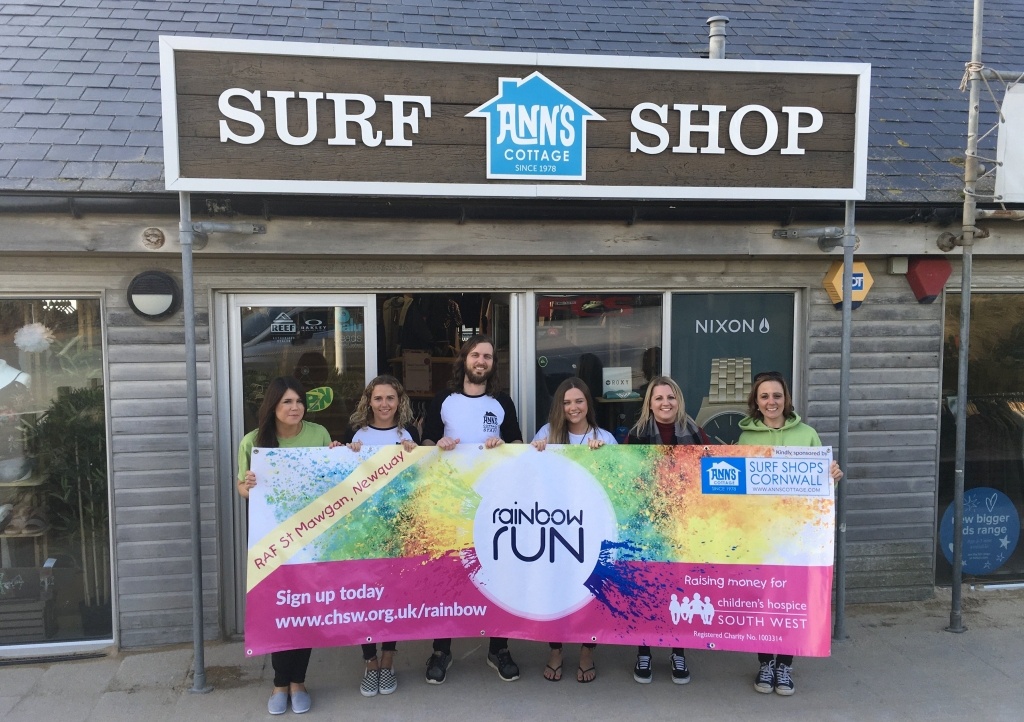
(716, 34)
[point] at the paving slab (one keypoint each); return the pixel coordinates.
(897, 664)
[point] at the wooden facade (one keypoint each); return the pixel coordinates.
(896, 370)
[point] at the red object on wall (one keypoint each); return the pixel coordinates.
(928, 276)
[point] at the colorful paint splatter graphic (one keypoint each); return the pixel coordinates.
(568, 534)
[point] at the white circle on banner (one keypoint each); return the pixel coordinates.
(538, 532)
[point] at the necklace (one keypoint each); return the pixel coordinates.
(584, 436)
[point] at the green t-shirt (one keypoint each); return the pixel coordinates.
(309, 435)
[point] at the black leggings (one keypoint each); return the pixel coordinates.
(786, 659)
(558, 645)
(370, 650)
(290, 666)
(496, 645)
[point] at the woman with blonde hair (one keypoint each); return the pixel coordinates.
(663, 420)
(382, 417)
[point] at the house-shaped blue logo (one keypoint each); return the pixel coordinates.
(535, 131)
(723, 476)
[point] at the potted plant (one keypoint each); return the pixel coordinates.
(70, 440)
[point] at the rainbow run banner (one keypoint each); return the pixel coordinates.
(719, 547)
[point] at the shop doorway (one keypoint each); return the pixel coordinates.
(334, 344)
(420, 334)
(327, 342)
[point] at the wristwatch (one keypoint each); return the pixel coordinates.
(726, 403)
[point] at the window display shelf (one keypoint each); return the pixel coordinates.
(34, 480)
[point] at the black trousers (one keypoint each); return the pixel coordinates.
(370, 650)
(786, 659)
(290, 666)
(646, 651)
(497, 643)
(558, 645)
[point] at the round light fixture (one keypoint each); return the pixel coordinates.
(154, 295)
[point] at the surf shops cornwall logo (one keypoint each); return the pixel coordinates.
(535, 131)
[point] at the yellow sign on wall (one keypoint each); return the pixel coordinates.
(862, 283)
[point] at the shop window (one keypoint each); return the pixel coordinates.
(994, 463)
(420, 335)
(612, 341)
(321, 346)
(54, 511)
(719, 342)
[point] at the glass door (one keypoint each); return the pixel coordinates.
(326, 341)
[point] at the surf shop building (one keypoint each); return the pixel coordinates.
(363, 209)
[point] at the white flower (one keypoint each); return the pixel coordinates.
(33, 338)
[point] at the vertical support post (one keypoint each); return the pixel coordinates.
(186, 237)
(716, 35)
(956, 624)
(849, 244)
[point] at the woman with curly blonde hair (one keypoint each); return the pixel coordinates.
(383, 416)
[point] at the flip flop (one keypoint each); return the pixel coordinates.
(581, 675)
(556, 673)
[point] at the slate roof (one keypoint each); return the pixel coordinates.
(79, 79)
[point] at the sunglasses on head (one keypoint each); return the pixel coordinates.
(769, 376)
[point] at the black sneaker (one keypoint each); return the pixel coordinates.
(680, 674)
(437, 667)
(642, 669)
(502, 661)
(784, 680)
(764, 682)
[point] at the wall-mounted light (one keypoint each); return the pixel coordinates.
(154, 295)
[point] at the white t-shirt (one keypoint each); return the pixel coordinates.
(605, 436)
(372, 436)
(472, 419)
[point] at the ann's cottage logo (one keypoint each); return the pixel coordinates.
(535, 130)
(723, 476)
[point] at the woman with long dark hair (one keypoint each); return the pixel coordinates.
(281, 425)
(772, 421)
(663, 420)
(572, 421)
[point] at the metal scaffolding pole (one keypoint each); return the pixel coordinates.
(974, 68)
(186, 237)
(849, 242)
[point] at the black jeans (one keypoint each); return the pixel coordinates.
(646, 651)
(497, 644)
(370, 650)
(786, 659)
(290, 666)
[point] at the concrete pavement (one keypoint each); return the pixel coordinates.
(898, 664)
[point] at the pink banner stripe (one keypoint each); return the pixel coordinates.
(780, 609)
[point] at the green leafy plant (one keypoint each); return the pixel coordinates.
(70, 440)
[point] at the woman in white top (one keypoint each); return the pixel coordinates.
(572, 421)
(382, 417)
